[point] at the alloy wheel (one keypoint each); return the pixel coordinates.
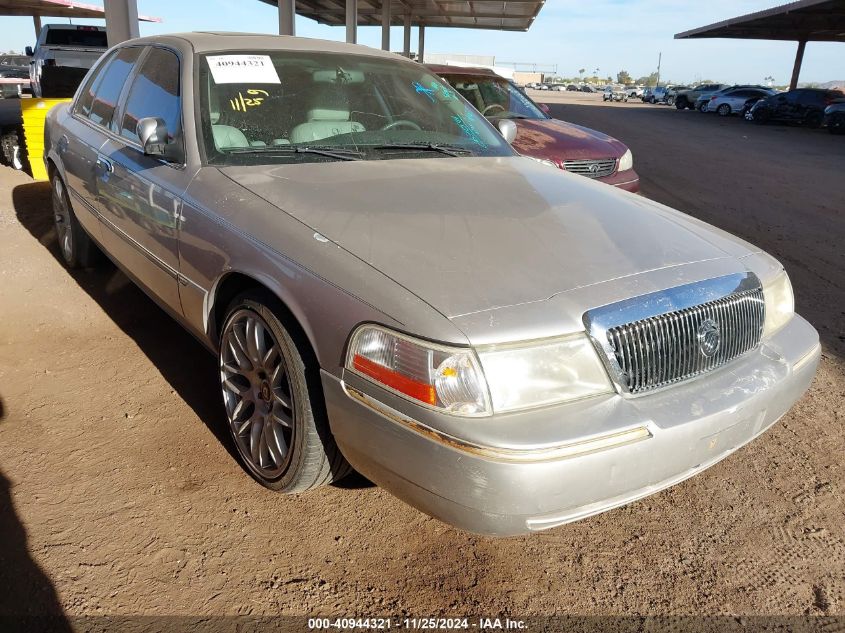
(257, 394)
(61, 217)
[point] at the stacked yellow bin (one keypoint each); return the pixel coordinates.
(34, 113)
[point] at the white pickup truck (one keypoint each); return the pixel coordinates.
(62, 56)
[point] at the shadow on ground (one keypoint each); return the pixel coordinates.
(183, 361)
(28, 600)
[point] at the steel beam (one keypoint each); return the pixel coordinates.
(121, 20)
(287, 17)
(352, 21)
(385, 25)
(796, 69)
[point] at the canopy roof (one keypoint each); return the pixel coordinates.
(805, 20)
(58, 9)
(509, 15)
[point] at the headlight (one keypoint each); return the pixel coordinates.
(547, 372)
(627, 161)
(780, 303)
(543, 161)
(514, 377)
(438, 376)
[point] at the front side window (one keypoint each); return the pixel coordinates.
(154, 93)
(107, 88)
(293, 106)
(495, 97)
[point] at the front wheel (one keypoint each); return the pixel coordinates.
(274, 402)
(77, 248)
(702, 107)
(724, 110)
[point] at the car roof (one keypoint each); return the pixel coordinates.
(444, 69)
(221, 41)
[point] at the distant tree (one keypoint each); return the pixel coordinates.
(581, 72)
(650, 80)
(609, 79)
(623, 77)
(769, 80)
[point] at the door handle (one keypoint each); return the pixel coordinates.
(104, 167)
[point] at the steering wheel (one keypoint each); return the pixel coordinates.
(490, 107)
(402, 123)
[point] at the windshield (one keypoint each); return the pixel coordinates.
(495, 97)
(293, 106)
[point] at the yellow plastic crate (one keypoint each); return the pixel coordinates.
(34, 112)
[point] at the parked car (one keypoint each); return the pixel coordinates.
(567, 146)
(542, 86)
(615, 93)
(687, 98)
(658, 94)
(386, 284)
(572, 88)
(737, 101)
(559, 88)
(634, 92)
(672, 93)
(647, 94)
(834, 117)
(803, 106)
(61, 57)
(14, 74)
(11, 134)
(703, 102)
(586, 88)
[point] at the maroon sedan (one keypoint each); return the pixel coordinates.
(576, 149)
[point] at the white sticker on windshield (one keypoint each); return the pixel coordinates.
(243, 69)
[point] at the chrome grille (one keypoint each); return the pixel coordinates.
(591, 168)
(668, 336)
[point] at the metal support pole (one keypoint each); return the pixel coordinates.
(287, 17)
(421, 47)
(799, 59)
(121, 20)
(385, 25)
(406, 48)
(36, 21)
(352, 21)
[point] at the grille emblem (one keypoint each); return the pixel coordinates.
(709, 337)
(594, 168)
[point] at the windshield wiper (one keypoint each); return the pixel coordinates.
(338, 153)
(449, 150)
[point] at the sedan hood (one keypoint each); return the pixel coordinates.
(558, 140)
(474, 234)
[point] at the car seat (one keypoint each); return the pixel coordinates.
(329, 116)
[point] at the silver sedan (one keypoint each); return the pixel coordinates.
(736, 101)
(388, 286)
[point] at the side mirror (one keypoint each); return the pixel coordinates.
(545, 108)
(508, 130)
(29, 52)
(152, 132)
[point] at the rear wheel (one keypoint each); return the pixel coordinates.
(78, 250)
(681, 103)
(702, 107)
(836, 125)
(724, 110)
(274, 402)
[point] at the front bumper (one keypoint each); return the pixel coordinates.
(627, 180)
(644, 444)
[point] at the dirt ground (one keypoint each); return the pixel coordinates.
(119, 493)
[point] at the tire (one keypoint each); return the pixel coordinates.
(836, 125)
(702, 107)
(724, 110)
(681, 103)
(280, 428)
(670, 101)
(76, 247)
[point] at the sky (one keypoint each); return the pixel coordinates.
(608, 35)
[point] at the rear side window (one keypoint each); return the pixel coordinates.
(86, 95)
(154, 92)
(107, 89)
(80, 36)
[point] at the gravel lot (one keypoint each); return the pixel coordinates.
(119, 493)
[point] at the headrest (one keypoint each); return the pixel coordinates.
(328, 114)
